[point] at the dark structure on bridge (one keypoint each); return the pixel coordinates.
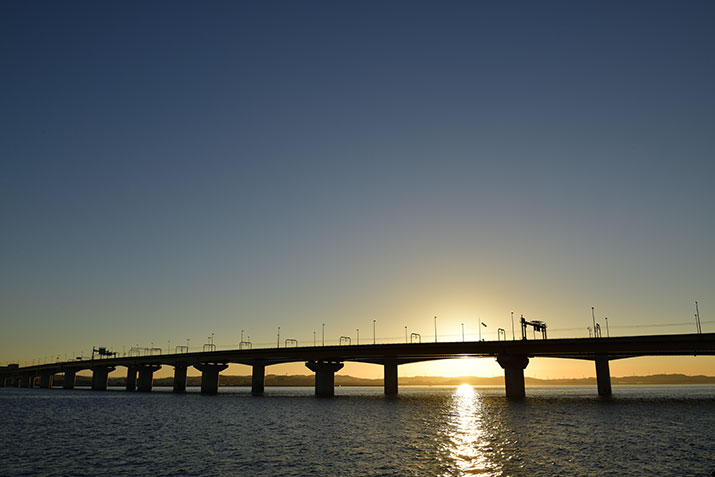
(325, 361)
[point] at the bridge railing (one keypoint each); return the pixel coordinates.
(491, 333)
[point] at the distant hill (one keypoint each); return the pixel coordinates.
(345, 380)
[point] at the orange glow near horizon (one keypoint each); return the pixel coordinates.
(542, 368)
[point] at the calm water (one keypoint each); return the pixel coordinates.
(642, 430)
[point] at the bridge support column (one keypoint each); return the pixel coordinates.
(46, 380)
(27, 381)
(209, 377)
(258, 379)
(513, 366)
(324, 376)
(68, 379)
(603, 376)
(100, 377)
(180, 378)
(131, 383)
(2, 381)
(146, 377)
(390, 380)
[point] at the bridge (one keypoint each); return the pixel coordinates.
(513, 356)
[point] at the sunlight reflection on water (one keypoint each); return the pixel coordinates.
(424, 431)
(468, 438)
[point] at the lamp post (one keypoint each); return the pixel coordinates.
(406, 334)
(512, 326)
(313, 338)
(593, 315)
(608, 334)
(358, 335)
(698, 326)
(435, 329)
(278, 343)
(373, 332)
(462, 332)
(323, 338)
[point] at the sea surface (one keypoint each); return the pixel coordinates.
(569, 431)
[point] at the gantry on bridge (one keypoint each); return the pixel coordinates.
(513, 356)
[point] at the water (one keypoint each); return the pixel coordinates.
(642, 430)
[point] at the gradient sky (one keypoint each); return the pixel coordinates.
(172, 170)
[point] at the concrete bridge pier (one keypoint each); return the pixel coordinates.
(46, 380)
(100, 377)
(69, 378)
(180, 378)
(131, 383)
(258, 379)
(603, 376)
(27, 381)
(324, 376)
(390, 380)
(2, 381)
(146, 377)
(209, 376)
(513, 366)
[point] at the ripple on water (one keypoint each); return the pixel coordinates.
(425, 431)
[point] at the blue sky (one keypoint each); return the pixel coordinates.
(173, 170)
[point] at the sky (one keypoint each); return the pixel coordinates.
(173, 170)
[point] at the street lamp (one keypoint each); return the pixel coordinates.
(593, 315)
(323, 337)
(608, 334)
(313, 338)
(373, 331)
(512, 326)
(405, 334)
(278, 344)
(358, 335)
(435, 329)
(462, 332)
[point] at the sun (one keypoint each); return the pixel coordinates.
(464, 390)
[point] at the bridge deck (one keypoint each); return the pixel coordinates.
(574, 348)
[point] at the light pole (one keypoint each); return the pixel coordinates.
(358, 335)
(480, 328)
(241, 336)
(168, 349)
(187, 345)
(462, 332)
(373, 332)
(608, 334)
(323, 338)
(593, 315)
(313, 338)
(512, 326)
(435, 329)
(278, 343)
(699, 327)
(405, 334)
